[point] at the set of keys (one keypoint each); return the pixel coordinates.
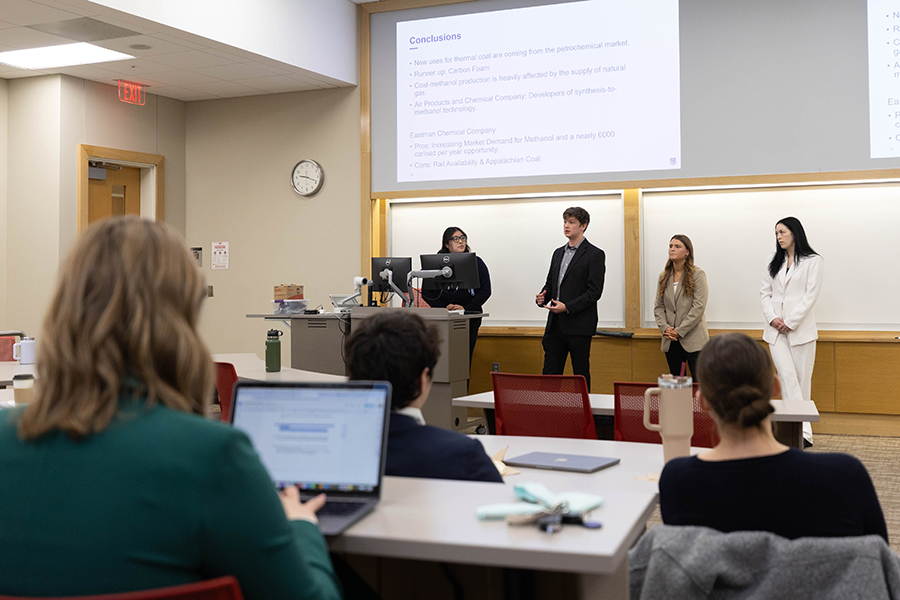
(552, 520)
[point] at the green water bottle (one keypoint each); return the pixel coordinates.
(273, 351)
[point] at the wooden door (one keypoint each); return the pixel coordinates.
(118, 194)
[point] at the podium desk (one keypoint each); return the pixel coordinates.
(317, 343)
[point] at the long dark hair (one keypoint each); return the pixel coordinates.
(801, 245)
(445, 241)
(688, 279)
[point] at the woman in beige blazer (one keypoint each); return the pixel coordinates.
(680, 308)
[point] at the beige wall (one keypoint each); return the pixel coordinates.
(240, 153)
(47, 118)
(4, 122)
(33, 198)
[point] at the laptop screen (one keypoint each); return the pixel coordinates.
(320, 437)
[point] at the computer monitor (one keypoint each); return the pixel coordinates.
(464, 269)
(400, 267)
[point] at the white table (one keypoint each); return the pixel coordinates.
(789, 413)
(8, 369)
(7, 398)
(249, 366)
(429, 519)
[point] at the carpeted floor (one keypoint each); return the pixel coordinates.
(880, 455)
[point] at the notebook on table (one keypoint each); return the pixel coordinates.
(554, 461)
(321, 437)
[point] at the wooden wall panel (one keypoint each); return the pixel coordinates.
(865, 381)
(610, 361)
(647, 361)
(823, 377)
(515, 355)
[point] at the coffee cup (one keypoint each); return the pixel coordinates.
(23, 388)
(24, 351)
(676, 415)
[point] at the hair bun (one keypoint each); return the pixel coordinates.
(753, 407)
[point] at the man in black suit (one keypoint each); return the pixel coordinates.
(574, 285)
(399, 347)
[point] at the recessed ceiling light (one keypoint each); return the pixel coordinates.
(65, 55)
(140, 47)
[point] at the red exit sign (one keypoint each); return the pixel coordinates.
(132, 93)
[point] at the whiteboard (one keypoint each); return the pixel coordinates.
(853, 227)
(516, 239)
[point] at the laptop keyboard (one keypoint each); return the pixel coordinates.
(339, 509)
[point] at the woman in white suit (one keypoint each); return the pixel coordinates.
(680, 308)
(789, 292)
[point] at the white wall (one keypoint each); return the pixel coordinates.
(317, 35)
(47, 118)
(240, 153)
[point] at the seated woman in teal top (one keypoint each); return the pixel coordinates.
(112, 478)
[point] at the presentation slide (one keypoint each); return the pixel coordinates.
(884, 78)
(582, 87)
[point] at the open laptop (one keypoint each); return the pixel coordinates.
(321, 437)
(554, 461)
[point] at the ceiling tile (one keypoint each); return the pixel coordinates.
(25, 12)
(225, 89)
(83, 29)
(192, 44)
(276, 84)
(193, 59)
(180, 93)
(88, 72)
(235, 71)
(22, 37)
(181, 78)
(157, 46)
(22, 73)
(133, 66)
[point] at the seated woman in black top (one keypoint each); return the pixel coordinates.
(751, 482)
(456, 240)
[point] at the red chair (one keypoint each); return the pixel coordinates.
(6, 348)
(543, 406)
(415, 298)
(629, 417)
(221, 588)
(226, 377)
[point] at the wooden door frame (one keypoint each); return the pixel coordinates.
(154, 162)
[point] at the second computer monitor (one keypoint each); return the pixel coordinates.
(400, 268)
(464, 266)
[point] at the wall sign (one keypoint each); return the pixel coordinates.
(132, 93)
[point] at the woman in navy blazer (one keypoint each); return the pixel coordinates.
(790, 288)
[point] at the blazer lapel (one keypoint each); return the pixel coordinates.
(787, 274)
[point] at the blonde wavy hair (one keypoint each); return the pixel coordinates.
(122, 323)
(687, 278)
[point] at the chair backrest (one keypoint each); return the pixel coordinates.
(415, 298)
(6, 348)
(543, 405)
(629, 417)
(226, 377)
(221, 588)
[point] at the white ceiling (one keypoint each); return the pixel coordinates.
(177, 65)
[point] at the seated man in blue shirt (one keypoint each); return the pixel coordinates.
(399, 347)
